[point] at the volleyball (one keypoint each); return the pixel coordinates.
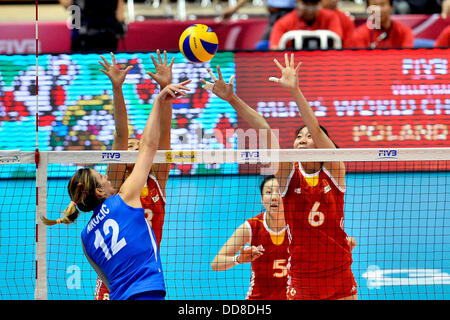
(198, 43)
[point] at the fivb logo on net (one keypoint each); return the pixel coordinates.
(252, 152)
(249, 142)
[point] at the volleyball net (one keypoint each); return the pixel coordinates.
(396, 207)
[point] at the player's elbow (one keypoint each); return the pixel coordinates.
(149, 145)
(215, 265)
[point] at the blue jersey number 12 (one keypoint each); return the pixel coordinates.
(116, 246)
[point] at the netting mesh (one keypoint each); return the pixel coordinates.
(17, 231)
(397, 211)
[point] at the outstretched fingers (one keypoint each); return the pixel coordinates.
(113, 58)
(154, 61)
(176, 90)
(278, 64)
(219, 72)
(298, 67)
(274, 79)
(213, 76)
(159, 56)
(105, 64)
(127, 69)
(207, 85)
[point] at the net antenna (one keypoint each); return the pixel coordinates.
(41, 192)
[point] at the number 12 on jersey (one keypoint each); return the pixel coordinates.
(116, 246)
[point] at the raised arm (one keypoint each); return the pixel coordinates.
(225, 91)
(227, 258)
(289, 81)
(163, 77)
(117, 76)
(133, 185)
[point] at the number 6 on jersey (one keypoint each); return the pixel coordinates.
(316, 218)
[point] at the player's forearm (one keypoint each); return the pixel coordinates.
(223, 262)
(305, 110)
(165, 125)
(120, 118)
(251, 116)
(152, 131)
(256, 121)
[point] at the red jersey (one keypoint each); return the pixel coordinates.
(325, 20)
(153, 202)
(314, 214)
(397, 36)
(444, 38)
(269, 271)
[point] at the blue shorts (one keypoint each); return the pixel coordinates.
(150, 295)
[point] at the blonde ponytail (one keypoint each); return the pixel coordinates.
(70, 214)
(81, 190)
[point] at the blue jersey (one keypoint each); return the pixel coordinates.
(119, 240)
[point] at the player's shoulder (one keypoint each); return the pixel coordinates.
(257, 219)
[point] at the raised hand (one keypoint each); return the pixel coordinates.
(114, 73)
(173, 91)
(163, 74)
(289, 73)
(220, 88)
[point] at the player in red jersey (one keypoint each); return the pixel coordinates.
(267, 250)
(313, 197)
(319, 249)
(153, 195)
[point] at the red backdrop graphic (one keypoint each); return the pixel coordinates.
(378, 98)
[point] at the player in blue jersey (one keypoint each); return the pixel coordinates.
(118, 241)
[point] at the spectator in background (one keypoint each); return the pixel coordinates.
(101, 25)
(422, 7)
(276, 9)
(385, 32)
(309, 15)
(347, 23)
(444, 38)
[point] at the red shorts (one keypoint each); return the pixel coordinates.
(101, 292)
(330, 287)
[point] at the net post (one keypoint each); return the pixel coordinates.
(40, 292)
